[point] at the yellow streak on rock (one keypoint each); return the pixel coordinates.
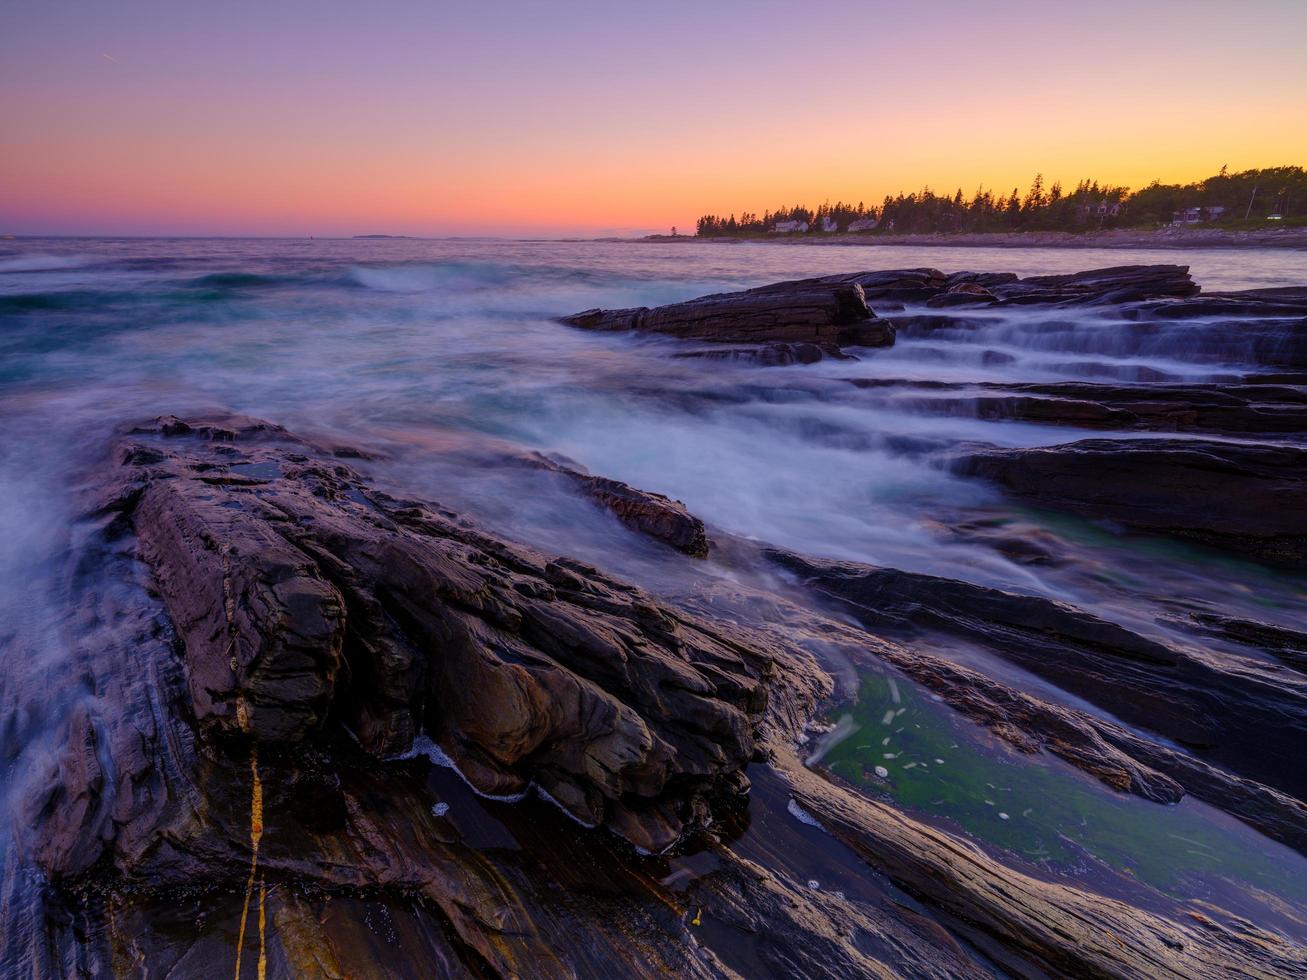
(256, 834)
(263, 935)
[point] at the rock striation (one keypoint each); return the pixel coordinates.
(299, 594)
(1221, 722)
(1246, 498)
(1235, 409)
(810, 311)
(803, 320)
(265, 647)
(652, 514)
(933, 288)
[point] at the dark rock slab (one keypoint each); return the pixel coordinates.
(283, 573)
(1286, 645)
(769, 355)
(1114, 285)
(1235, 409)
(653, 514)
(1246, 498)
(1243, 715)
(807, 311)
(1117, 284)
(895, 286)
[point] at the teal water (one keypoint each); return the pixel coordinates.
(895, 741)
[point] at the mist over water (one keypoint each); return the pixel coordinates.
(407, 344)
(443, 357)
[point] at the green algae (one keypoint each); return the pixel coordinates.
(895, 740)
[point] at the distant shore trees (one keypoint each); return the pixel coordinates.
(1225, 198)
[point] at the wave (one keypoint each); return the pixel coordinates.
(43, 262)
(80, 299)
(421, 277)
(237, 280)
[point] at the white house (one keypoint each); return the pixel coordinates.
(787, 227)
(828, 225)
(863, 224)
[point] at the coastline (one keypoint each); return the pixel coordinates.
(1123, 238)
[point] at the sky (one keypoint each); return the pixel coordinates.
(288, 117)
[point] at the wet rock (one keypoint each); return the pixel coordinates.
(1117, 284)
(1241, 715)
(523, 670)
(965, 293)
(1285, 302)
(1022, 542)
(1125, 760)
(803, 312)
(770, 355)
(1217, 408)
(653, 514)
(1286, 645)
(1062, 931)
(1246, 498)
(1114, 285)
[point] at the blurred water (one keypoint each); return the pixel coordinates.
(407, 341)
(444, 356)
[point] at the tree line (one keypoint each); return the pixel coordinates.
(1224, 198)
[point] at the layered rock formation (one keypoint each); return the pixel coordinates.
(652, 514)
(311, 728)
(1119, 284)
(1234, 718)
(297, 593)
(809, 311)
(272, 645)
(1251, 499)
(802, 320)
(1242, 408)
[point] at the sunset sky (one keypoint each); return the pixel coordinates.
(288, 117)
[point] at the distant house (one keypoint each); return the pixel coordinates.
(828, 225)
(1103, 209)
(1193, 216)
(788, 227)
(863, 224)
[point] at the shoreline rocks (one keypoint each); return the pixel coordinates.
(802, 320)
(809, 311)
(651, 514)
(228, 562)
(298, 594)
(1235, 408)
(1223, 724)
(1247, 498)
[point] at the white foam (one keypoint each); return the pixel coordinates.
(803, 816)
(422, 745)
(544, 795)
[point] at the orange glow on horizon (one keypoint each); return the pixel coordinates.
(167, 135)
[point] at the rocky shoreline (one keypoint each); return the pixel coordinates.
(1125, 238)
(315, 704)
